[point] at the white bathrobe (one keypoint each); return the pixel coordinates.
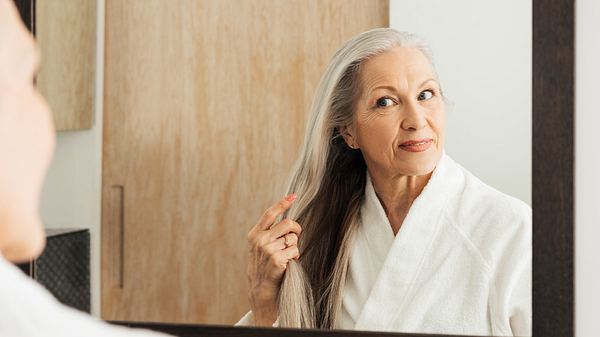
(29, 310)
(460, 263)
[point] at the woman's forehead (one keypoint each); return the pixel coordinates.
(399, 64)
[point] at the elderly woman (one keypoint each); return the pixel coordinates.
(382, 229)
(26, 143)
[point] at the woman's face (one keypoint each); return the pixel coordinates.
(26, 140)
(399, 115)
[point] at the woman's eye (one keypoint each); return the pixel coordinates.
(384, 102)
(425, 95)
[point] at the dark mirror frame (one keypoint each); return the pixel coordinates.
(552, 169)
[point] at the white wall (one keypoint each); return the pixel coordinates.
(587, 168)
(482, 51)
(71, 195)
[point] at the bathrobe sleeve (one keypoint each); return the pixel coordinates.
(29, 310)
(514, 298)
(248, 320)
(513, 281)
(520, 305)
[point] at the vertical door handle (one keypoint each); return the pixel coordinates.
(118, 224)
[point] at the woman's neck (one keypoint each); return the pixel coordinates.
(397, 193)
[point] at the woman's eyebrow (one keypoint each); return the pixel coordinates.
(394, 89)
(427, 80)
(387, 87)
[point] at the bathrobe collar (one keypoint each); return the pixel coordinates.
(405, 252)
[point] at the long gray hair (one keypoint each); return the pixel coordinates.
(329, 178)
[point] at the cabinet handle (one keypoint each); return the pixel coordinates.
(119, 221)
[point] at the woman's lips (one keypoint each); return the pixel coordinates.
(418, 145)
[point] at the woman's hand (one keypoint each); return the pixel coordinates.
(271, 246)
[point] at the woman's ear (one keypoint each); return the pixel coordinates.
(347, 132)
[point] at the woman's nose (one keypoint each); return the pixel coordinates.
(413, 118)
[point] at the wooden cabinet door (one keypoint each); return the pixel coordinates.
(204, 112)
(66, 35)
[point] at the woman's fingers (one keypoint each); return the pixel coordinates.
(290, 239)
(284, 227)
(280, 259)
(281, 243)
(261, 235)
(292, 252)
(267, 219)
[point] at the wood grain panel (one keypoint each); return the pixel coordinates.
(205, 106)
(66, 35)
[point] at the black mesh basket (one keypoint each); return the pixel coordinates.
(64, 267)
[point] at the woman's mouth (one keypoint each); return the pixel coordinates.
(418, 145)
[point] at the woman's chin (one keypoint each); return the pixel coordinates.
(23, 238)
(419, 165)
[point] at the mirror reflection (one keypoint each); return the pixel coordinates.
(340, 165)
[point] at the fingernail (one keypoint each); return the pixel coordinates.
(291, 197)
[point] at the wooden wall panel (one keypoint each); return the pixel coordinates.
(204, 112)
(66, 35)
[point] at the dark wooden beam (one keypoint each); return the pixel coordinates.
(553, 169)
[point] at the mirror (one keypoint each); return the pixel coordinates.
(203, 114)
